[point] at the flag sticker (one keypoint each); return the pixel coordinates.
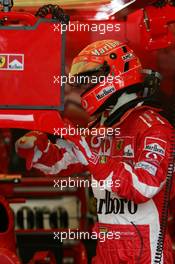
(12, 62)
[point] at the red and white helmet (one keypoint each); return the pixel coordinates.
(113, 59)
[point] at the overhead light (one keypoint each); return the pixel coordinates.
(107, 10)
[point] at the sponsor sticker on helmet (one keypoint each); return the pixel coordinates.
(84, 104)
(12, 62)
(105, 48)
(127, 56)
(105, 92)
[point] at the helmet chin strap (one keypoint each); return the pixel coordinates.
(123, 99)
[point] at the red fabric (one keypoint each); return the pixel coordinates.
(128, 249)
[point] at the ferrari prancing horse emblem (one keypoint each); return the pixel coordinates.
(2, 61)
(119, 144)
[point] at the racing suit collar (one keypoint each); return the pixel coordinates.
(121, 113)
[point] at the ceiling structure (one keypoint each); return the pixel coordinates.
(104, 9)
(87, 9)
(58, 2)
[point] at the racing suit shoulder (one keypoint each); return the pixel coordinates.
(151, 117)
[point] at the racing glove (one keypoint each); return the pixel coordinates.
(31, 147)
(51, 159)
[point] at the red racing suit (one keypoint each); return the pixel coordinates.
(128, 179)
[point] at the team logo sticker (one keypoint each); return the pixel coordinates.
(146, 166)
(154, 150)
(155, 145)
(12, 62)
(119, 144)
(123, 147)
(120, 147)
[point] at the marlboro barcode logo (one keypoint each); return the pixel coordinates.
(12, 62)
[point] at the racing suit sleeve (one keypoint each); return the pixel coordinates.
(147, 176)
(50, 158)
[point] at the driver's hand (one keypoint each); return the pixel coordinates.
(31, 147)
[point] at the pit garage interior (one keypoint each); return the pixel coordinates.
(40, 208)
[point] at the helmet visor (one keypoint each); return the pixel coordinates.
(84, 66)
(88, 79)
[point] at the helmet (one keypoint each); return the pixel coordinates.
(112, 60)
